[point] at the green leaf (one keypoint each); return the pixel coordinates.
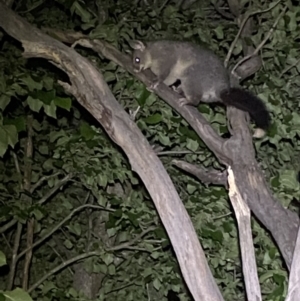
(111, 269)
(48, 286)
(75, 229)
(157, 284)
(17, 295)
(2, 259)
(108, 258)
(109, 76)
(164, 139)
(191, 189)
(217, 235)
(143, 97)
(63, 102)
(31, 83)
(80, 11)
(192, 145)
(68, 244)
(34, 104)
(18, 122)
(86, 131)
(288, 179)
(153, 119)
(219, 32)
(46, 97)
(48, 83)
(50, 110)
(11, 134)
(123, 236)
(102, 268)
(4, 101)
(3, 141)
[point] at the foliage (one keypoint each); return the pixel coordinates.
(115, 208)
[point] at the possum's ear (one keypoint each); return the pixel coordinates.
(137, 45)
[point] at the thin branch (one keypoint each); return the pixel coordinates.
(41, 201)
(119, 288)
(54, 229)
(89, 254)
(41, 180)
(55, 188)
(14, 257)
(62, 266)
(242, 27)
(222, 216)
(127, 245)
(164, 153)
(57, 253)
(211, 176)
(17, 165)
(289, 68)
(263, 42)
(27, 185)
(163, 5)
(8, 225)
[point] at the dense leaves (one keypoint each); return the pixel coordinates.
(102, 206)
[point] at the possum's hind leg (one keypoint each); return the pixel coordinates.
(192, 93)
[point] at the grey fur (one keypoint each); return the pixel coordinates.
(200, 71)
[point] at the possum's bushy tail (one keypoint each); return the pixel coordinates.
(246, 101)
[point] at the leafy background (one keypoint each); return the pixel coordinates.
(106, 202)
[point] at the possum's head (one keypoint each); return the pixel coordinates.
(141, 56)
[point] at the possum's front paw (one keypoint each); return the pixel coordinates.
(153, 86)
(183, 101)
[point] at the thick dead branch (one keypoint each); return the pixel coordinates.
(90, 89)
(294, 287)
(205, 176)
(237, 151)
(243, 216)
(260, 200)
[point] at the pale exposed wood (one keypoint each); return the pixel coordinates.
(92, 92)
(243, 215)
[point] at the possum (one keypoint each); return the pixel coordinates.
(202, 76)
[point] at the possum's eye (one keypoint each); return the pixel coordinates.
(137, 60)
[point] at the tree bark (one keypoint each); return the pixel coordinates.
(92, 92)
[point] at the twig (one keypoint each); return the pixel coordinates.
(127, 245)
(57, 253)
(242, 27)
(178, 153)
(62, 266)
(89, 254)
(55, 188)
(61, 223)
(18, 169)
(163, 5)
(27, 186)
(119, 288)
(263, 42)
(221, 216)
(41, 201)
(41, 180)
(14, 258)
(289, 68)
(8, 225)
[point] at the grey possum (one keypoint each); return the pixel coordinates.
(201, 73)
